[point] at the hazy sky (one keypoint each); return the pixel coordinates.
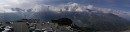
(114, 4)
(123, 5)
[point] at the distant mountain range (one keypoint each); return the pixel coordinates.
(92, 17)
(83, 16)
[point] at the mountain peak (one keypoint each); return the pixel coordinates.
(90, 7)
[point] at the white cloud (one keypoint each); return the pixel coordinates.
(24, 4)
(17, 3)
(6, 10)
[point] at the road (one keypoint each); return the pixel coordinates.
(20, 27)
(55, 28)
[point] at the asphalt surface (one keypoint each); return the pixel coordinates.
(20, 27)
(53, 26)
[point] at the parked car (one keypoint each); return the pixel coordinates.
(37, 30)
(48, 30)
(7, 29)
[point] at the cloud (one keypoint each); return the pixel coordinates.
(6, 5)
(39, 5)
(75, 7)
(6, 10)
(17, 3)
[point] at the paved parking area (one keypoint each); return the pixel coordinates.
(53, 26)
(20, 27)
